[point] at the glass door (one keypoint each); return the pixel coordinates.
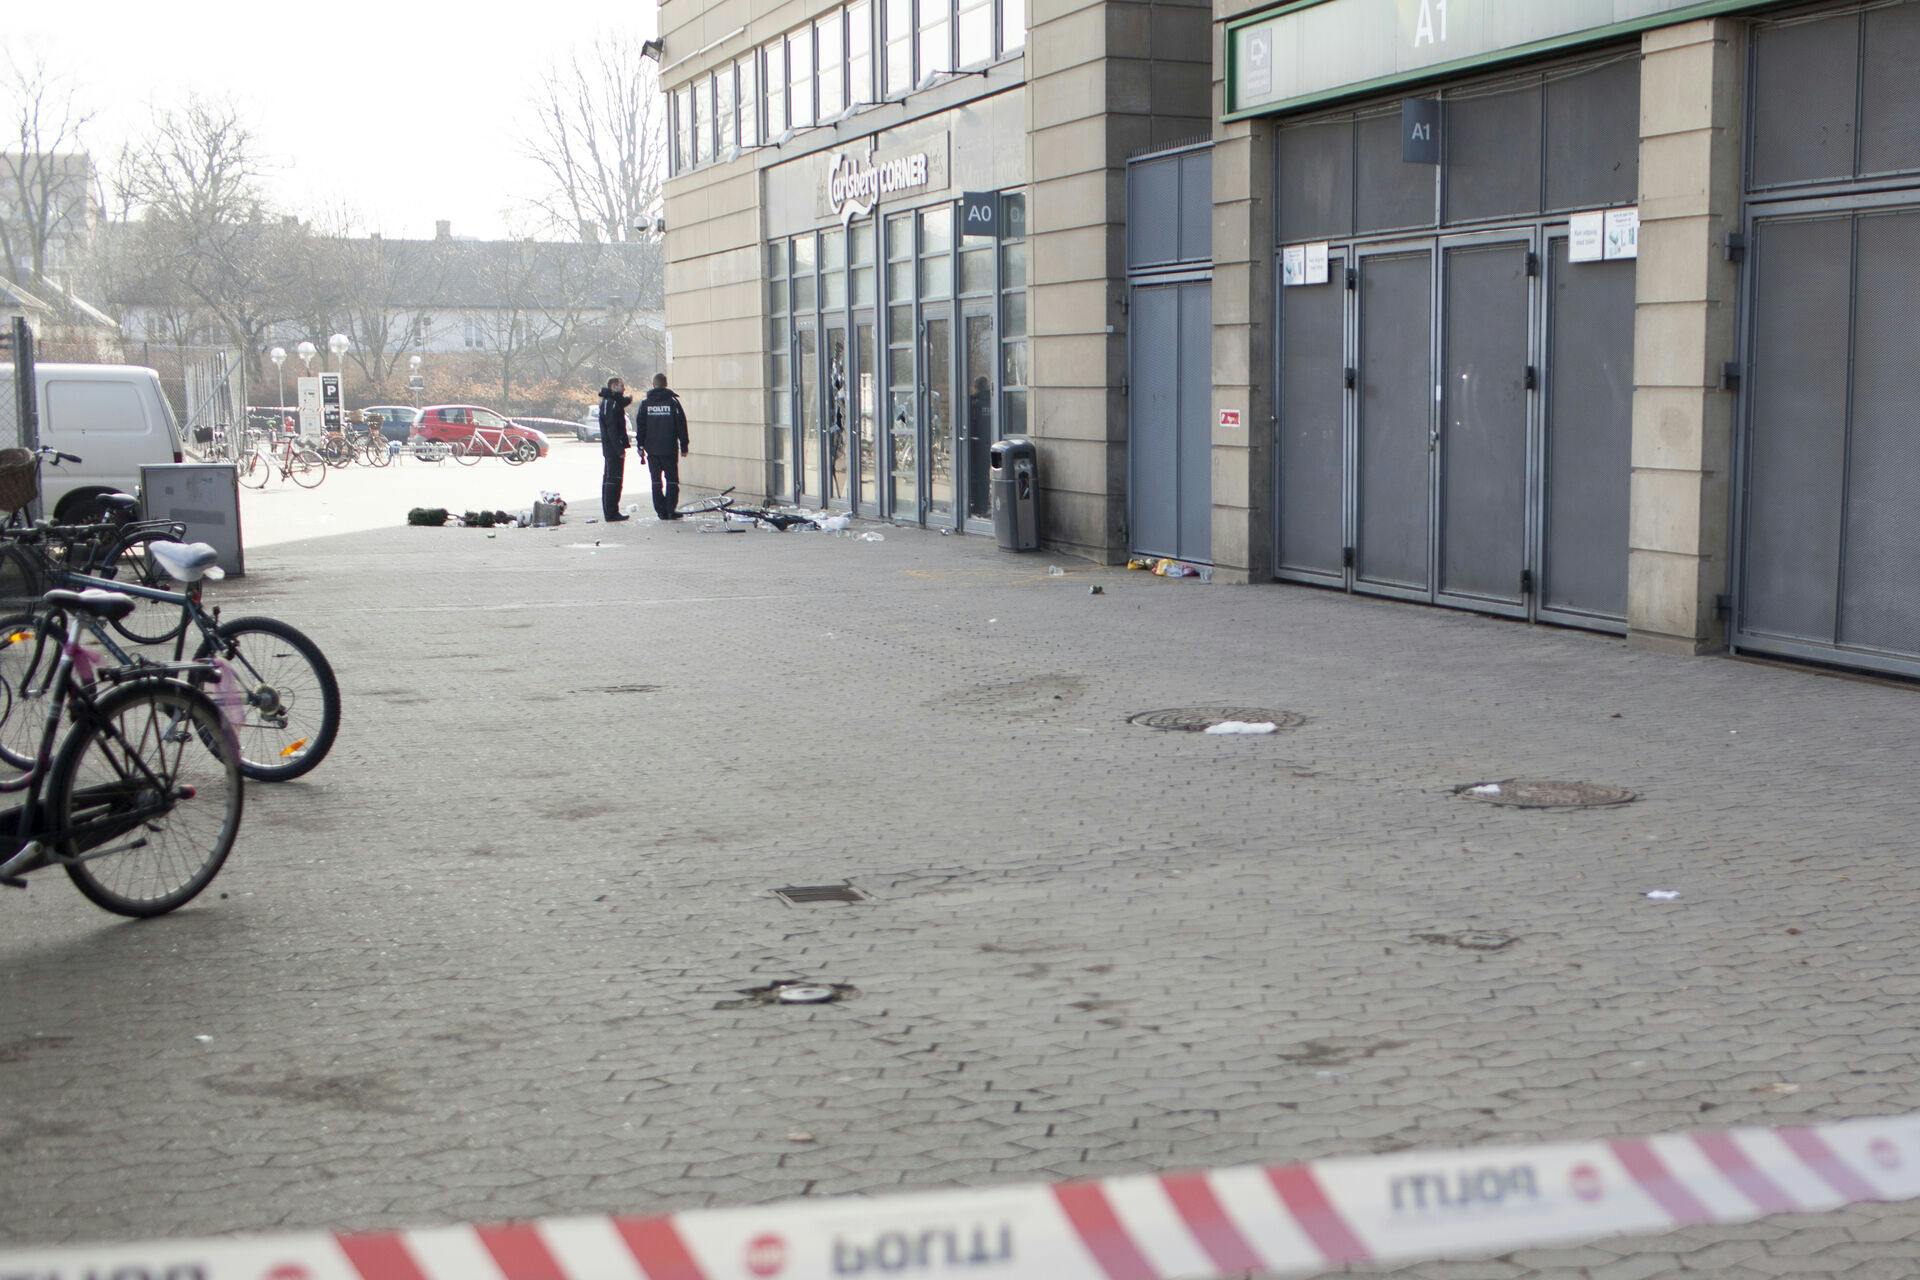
(977, 427)
(937, 400)
(866, 475)
(903, 418)
(837, 446)
(806, 394)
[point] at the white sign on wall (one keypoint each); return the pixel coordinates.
(1317, 263)
(854, 187)
(1293, 265)
(1586, 233)
(309, 389)
(1623, 233)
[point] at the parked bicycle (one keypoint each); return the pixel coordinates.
(295, 461)
(278, 685)
(494, 442)
(140, 801)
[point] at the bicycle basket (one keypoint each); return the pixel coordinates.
(19, 479)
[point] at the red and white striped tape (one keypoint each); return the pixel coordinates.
(1287, 1220)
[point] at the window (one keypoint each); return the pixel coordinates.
(476, 334)
(976, 32)
(830, 43)
(899, 37)
(863, 263)
(936, 252)
(1013, 25)
(900, 258)
(779, 372)
(860, 53)
(1013, 315)
(702, 123)
(682, 130)
(725, 126)
(803, 282)
(489, 419)
(936, 38)
(800, 77)
(774, 60)
(833, 270)
(746, 69)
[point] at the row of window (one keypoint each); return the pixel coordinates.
(819, 72)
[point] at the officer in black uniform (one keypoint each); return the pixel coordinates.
(613, 447)
(661, 424)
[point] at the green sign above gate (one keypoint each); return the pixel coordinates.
(1310, 51)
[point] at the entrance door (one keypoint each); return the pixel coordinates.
(1484, 403)
(1170, 428)
(937, 400)
(866, 413)
(837, 446)
(977, 429)
(903, 417)
(1395, 433)
(1311, 532)
(806, 394)
(1587, 439)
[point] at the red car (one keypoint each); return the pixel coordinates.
(452, 423)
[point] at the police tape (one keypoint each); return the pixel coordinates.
(1284, 1220)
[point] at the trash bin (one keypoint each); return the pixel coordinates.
(1016, 499)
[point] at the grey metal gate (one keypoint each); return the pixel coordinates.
(1827, 526)
(1395, 432)
(1830, 537)
(1170, 440)
(1170, 374)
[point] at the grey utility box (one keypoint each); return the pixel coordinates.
(1016, 495)
(204, 496)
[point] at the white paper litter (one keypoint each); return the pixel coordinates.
(834, 524)
(873, 537)
(204, 1039)
(1663, 895)
(1243, 726)
(1485, 789)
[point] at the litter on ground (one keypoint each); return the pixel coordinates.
(1663, 895)
(1243, 727)
(1485, 789)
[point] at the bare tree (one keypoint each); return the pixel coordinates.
(592, 314)
(47, 175)
(601, 138)
(381, 294)
(509, 273)
(197, 177)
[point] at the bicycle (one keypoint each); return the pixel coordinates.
(297, 462)
(276, 680)
(494, 442)
(141, 801)
(724, 505)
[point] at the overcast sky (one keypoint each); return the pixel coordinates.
(407, 111)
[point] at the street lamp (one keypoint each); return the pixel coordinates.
(414, 382)
(306, 352)
(338, 344)
(279, 357)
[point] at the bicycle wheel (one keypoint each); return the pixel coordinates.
(465, 452)
(306, 468)
(339, 456)
(292, 698)
(377, 454)
(152, 621)
(254, 471)
(147, 789)
(22, 717)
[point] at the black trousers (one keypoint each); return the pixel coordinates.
(664, 470)
(611, 481)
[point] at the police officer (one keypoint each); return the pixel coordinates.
(661, 424)
(613, 447)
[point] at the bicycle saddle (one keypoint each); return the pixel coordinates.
(119, 501)
(186, 562)
(101, 604)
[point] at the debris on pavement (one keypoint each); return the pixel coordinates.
(800, 1135)
(427, 517)
(873, 537)
(1055, 571)
(1096, 590)
(1485, 789)
(1778, 1089)
(1663, 895)
(1242, 727)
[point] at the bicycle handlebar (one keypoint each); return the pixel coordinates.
(55, 456)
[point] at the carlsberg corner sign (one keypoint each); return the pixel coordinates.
(854, 187)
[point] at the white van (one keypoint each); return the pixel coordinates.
(112, 416)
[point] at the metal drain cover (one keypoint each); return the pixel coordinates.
(804, 995)
(800, 895)
(1200, 719)
(1529, 793)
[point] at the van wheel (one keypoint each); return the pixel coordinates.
(87, 510)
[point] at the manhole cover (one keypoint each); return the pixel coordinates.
(1200, 719)
(803, 895)
(790, 991)
(1469, 940)
(1527, 793)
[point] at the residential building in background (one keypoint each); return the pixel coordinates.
(1585, 314)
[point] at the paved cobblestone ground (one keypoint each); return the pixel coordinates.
(487, 961)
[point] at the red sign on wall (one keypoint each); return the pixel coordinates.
(1229, 417)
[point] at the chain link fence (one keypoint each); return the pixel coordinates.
(18, 402)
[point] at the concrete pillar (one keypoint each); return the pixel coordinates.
(1691, 147)
(1243, 351)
